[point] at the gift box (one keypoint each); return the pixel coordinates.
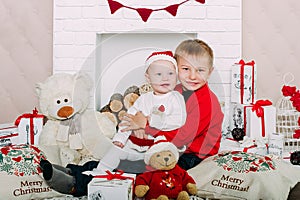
(248, 145)
(260, 119)
(30, 126)
(116, 185)
(243, 82)
(8, 134)
(276, 142)
(257, 120)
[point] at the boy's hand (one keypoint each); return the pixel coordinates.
(133, 122)
(119, 144)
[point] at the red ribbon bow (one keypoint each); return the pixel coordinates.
(28, 115)
(258, 107)
(242, 64)
(117, 175)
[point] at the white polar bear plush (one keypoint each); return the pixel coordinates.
(73, 133)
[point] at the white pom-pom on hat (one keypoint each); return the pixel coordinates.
(160, 144)
(160, 55)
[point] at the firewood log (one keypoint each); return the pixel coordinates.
(130, 96)
(116, 102)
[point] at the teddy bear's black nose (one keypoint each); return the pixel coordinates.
(166, 159)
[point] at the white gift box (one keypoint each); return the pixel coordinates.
(30, 126)
(276, 144)
(245, 117)
(259, 126)
(8, 134)
(243, 82)
(101, 187)
(248, 145)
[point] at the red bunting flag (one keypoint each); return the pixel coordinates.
(172, 9)
(114, 6)
(146, 12)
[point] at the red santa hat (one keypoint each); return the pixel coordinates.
(160, 144)
(160, 55)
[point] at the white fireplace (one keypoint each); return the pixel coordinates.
(112, 47)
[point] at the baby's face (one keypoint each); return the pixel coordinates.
(161, 74)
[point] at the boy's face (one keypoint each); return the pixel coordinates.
(161, 74)
(193, 72)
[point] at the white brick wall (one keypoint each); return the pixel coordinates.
(76, 23)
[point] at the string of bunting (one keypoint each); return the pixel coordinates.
(146, 12)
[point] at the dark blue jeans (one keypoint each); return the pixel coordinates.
(188, 160)
(82, 180)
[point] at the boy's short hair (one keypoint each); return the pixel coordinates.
(194, 47)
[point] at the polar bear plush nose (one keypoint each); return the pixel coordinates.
(65, 111)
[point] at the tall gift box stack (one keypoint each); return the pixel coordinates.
(255, 118)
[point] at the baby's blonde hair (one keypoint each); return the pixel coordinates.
(194, 47)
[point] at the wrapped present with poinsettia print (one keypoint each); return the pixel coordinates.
(257, 119)
(243, 82)
(117, 185)
(30, 126)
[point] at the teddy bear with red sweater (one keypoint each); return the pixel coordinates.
(164, 179)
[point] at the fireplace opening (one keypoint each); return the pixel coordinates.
(120, 60)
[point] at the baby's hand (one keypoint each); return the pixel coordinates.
(119, 144)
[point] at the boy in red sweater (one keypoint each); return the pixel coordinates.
(201, 133)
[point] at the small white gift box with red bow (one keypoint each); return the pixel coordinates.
(258, 146)
(260, 119)
(30, 126)
(117, 185)
(8, 134)
(243, 82)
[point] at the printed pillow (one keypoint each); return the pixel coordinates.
(240, 175)
(20, 174)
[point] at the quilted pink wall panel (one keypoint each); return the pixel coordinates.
(25, 54)
(271, 30)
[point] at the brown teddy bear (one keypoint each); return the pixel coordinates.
(164, 179)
